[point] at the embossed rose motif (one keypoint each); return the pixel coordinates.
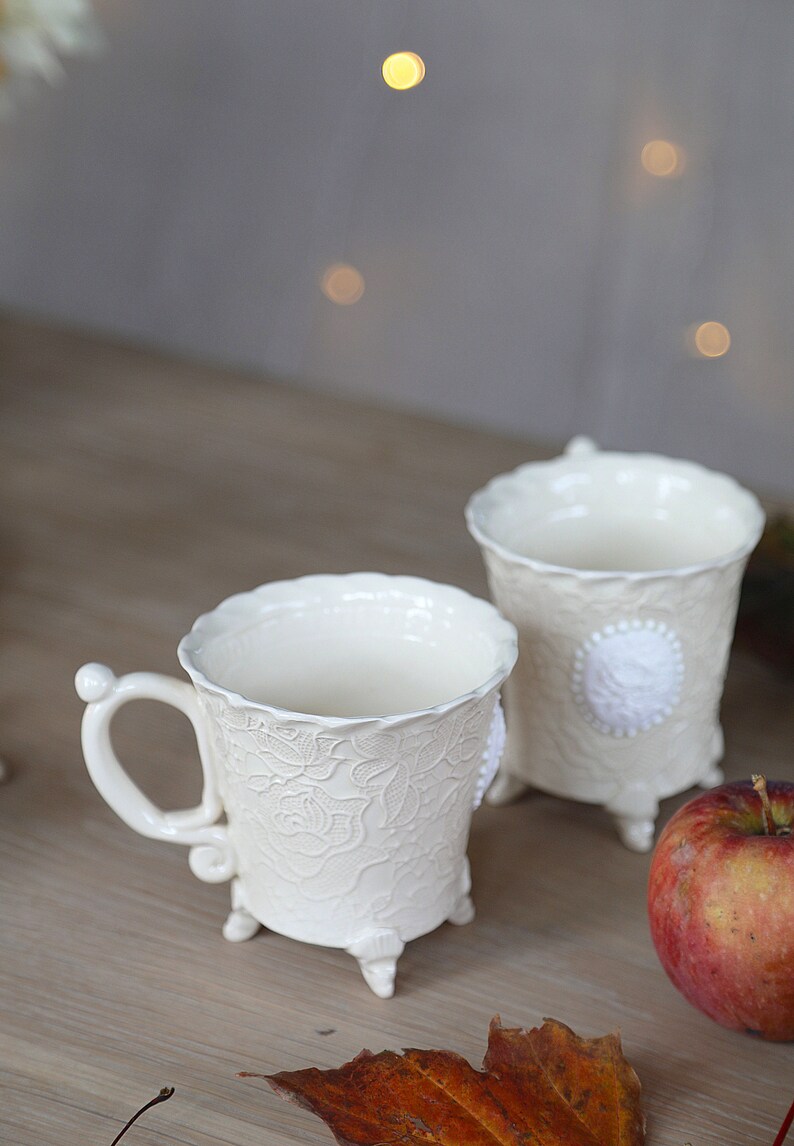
(318, 840)
(316, 821)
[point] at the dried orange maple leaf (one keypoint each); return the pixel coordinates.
(544, 1086)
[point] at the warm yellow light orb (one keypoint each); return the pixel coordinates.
(342, 284)
(711, 339)
(662, 158)
(403, 70)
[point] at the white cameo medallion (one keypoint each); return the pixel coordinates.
(491, 757)
(627, 677)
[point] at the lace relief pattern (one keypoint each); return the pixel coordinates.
(369, 815)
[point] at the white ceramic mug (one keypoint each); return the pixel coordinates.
(348, 727)
(622, 573)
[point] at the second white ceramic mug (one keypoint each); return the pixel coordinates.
(622, 573)
(348, 727)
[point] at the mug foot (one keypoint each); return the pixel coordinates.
(713, 778)
(240, 923)
(636, 832)
(635, 809)
(505, 790)
(463, 911)
(376, 954)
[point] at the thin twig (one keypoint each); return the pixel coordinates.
(784, 1129)
(165, 1093)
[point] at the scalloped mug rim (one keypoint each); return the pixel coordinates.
(476, 516)
(505, 642)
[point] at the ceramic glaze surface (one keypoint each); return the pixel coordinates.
(334, 826)
(616, 694)
(339, 650)
(346, 826)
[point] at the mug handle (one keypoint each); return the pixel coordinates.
(580, 446)
(211, 854)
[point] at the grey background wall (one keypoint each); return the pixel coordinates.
(522, 270)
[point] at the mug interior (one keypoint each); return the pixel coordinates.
(353, 646)
(611, 512)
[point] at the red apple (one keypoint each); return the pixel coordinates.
(721, 905)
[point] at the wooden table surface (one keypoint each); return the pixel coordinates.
(138, 492)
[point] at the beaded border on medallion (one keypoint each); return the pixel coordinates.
(628, 677)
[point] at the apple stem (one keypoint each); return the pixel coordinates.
(759, 783)
(784, 1129)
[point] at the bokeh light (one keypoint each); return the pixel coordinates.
(342, 284)
(403, 70)
(710, 339)
(662, 158)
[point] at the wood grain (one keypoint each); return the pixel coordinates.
(139, 491)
